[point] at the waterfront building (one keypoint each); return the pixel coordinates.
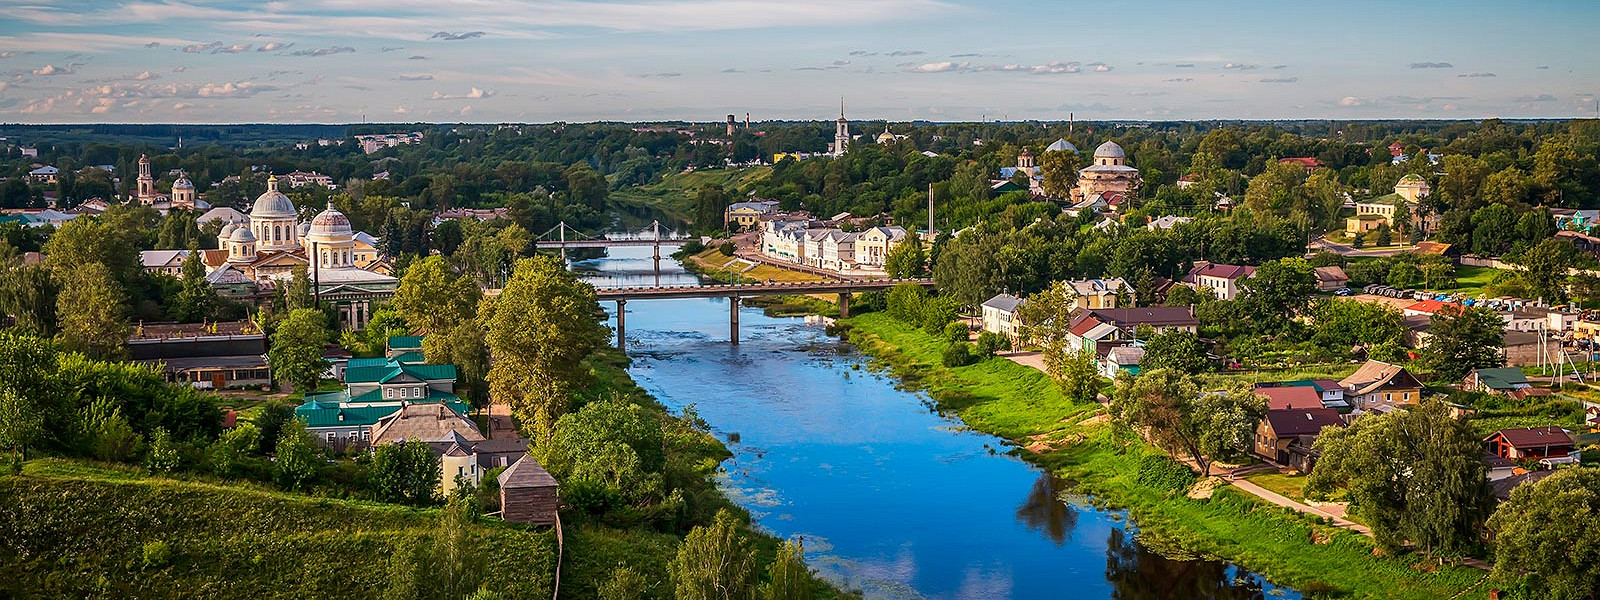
(747, 215)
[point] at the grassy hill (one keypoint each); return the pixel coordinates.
(673, 194)
(74, 530)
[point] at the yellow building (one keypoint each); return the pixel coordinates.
(1408, 194)
(747, 215)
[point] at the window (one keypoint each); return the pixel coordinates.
(388, 393)
(330, 436)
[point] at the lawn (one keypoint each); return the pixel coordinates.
(716, 265)
(1471, 280)
(1021, 404)
(1332, 371)
(1289, 486)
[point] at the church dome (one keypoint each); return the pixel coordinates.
(272, 204)
(242, 235)
(227, 231)
(1413, 179)
(183, 183)
(1061, 145)
(303, 229)
(330, 224)
(1109, 150)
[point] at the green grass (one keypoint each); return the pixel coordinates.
(77, 530)
(674, 194)
(716, 265)
(1333, 371)
(1018, 403)
(1289, 486)
(1471, 280)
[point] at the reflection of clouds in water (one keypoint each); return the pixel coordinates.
(876, 579)
(980, 583)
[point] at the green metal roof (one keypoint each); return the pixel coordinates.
(1394, 199)
(377, 396)
(327, 414)
(1502, 378)
(408, 358)
(385, 373)
(405, 341)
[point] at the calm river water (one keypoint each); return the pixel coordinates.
(889, 497)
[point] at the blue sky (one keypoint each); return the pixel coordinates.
(202, 61)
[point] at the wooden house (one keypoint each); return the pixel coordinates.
(528, 493)
(1286, 436)
(1378, 382)
(1530, 443)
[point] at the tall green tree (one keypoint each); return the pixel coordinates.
(197, 300)
(405, 473)
(1461, 339)
(787, 575)
(93, 310)
(1546, 536)
(28, 293)
(298, 293)
(465, 347)
(21, 422)
(540, 329)
(294, 456)
(715, 562)
(1046, 319)
(1167, 406)
(1176, 349)
(296, 352)
(434, 297)
(906, 260)
(1545, 267)
(1413, 475)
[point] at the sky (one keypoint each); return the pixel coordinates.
(344, 61)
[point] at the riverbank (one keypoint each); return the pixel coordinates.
(712, 264)
(1074, 441)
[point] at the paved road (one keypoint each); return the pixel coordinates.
(1322, 243)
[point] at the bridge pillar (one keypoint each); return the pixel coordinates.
(622, 325)
(733, 320)
(844, 305)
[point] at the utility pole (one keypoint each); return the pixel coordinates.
(930, 213)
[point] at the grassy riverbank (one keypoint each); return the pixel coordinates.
(713, 265)
(1021, 404)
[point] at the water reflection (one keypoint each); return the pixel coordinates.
(891, 499)
(1046, 512)
(1136, 573)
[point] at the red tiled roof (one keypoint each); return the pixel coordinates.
(1221, 271)
(1429, 306)
(1290, 397)
(1304, 161)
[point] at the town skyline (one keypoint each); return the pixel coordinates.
(330, 61)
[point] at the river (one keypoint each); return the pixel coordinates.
(889, 497)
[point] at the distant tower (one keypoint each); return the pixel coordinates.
(841, 131)
(747, 121)
(147, 183)
(730, 125)
(1025, 161)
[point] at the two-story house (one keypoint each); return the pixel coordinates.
(874, 245)
(1222, 280)
(1102, 293)
(1380, 383)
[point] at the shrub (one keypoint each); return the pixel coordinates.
(990, 342)
(162, 457)
(157, 554)
(937, 312)
(692, 247)
(1163, 473)
(958, 355)
(956, 332)
(726, 248)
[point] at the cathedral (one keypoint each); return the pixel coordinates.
(183, 196)
(1109, 179)
(264, 250)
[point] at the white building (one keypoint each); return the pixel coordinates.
(1000, 315)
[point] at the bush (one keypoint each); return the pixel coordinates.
(990, 342)
(956, 332)
(692, 247)
(157, 554)
(726, 248)
(162, 457)
(937, 312)
(958, 355)
(1163, 473)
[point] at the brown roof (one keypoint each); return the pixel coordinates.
(1501, 488)
(1376, 374)
(1302, 421)
(1533, 437)
(1215, 270)
(526, 473)
(1156, 316)
(1331, 273)
(424, 422)
(1290, 397)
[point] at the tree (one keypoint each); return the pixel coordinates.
(1059, 172)
(1229, 421)
(464, 347)
(906, 260)
(1167, 406)
(197, 300)
(1176, 349)
(435, 298)
(298, 294)
(1546, 535)
(404, 473)
(229, 451)
(710, 205)
(28, 293)
(162, 457)
(715, 562)
(1461, 339)
(787, 576)
(92, 309)
(1348, 324)
(613, 445)
(21, 422)
(1079, 379)
(295, 457)
(1545, 268)
(1046, 319)
(296, 352)
(540, 329)
(447, 565)
(624, 584)
(1414, 475)
(1383, 235)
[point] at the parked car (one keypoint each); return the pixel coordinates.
(1342, 292)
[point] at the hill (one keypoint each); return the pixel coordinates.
(72, 530)
(674, 194)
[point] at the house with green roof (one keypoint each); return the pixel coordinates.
(376, 388)
(1498, 380)
(403, 344)
(1407, 196)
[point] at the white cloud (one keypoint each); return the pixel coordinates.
(1431, 65)
(274, 46)
(198, 48)
(234, 49)
(51, 69)
(1240, 66)
(414, 78)
(1351, 101)
(474, 94)
(402, 110)
(144, 76)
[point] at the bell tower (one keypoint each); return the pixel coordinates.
(147, 183)
(841, 131)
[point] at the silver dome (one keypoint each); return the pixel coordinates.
(1109, 150)
(272, 204)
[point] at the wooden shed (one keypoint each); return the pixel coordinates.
(528, 493)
